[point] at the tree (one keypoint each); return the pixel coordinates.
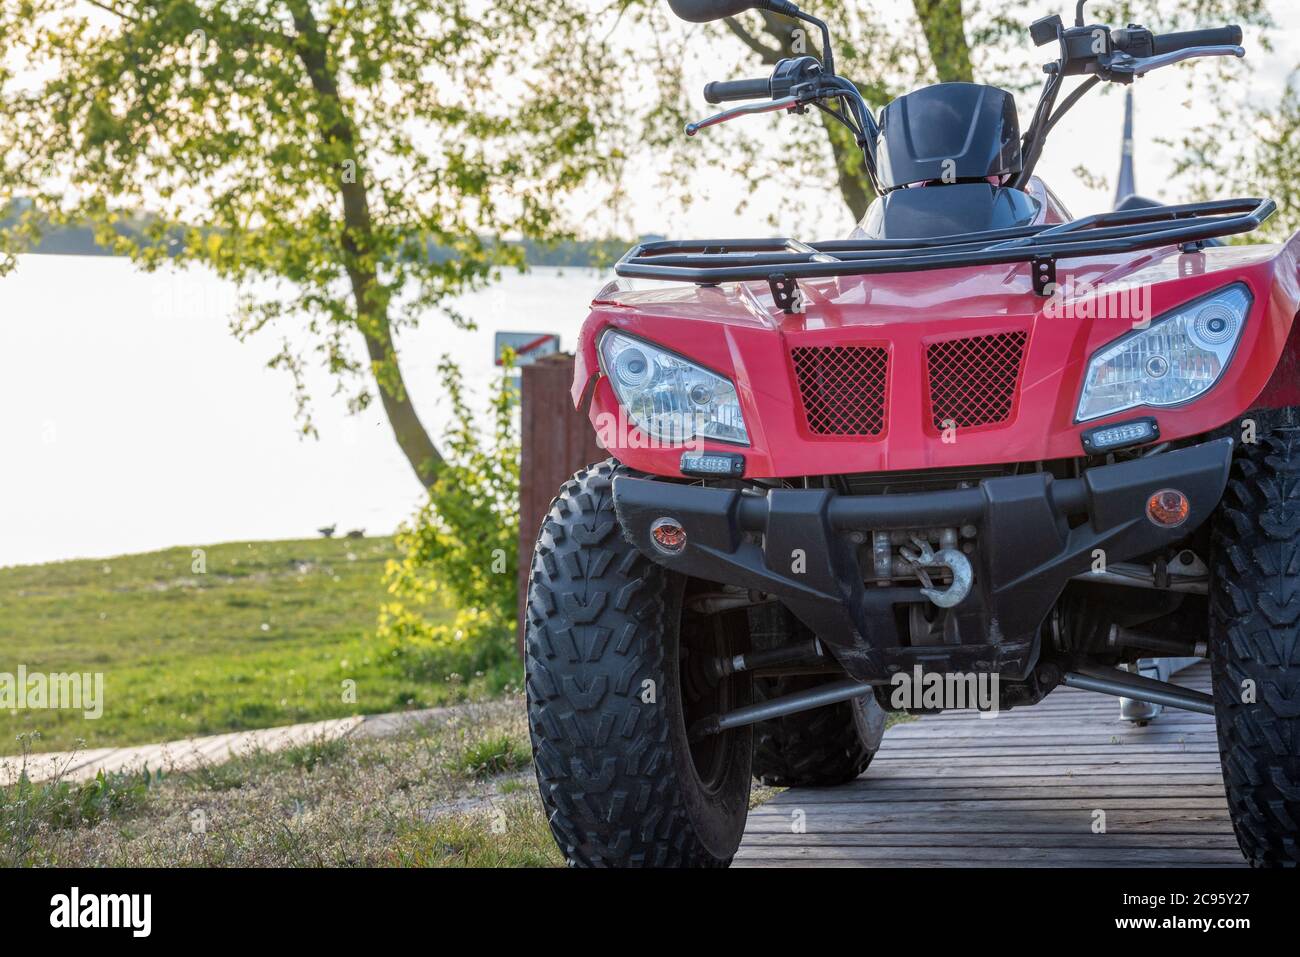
(323, 145)
(1216, 161)
(329, 145)
(890, 48)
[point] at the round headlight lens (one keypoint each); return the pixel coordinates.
(632, 367)
(1215, 324)
(701, 394)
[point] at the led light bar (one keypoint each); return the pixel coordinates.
(713, 464)
(1107, 438)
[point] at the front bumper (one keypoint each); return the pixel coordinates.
(1034, 534)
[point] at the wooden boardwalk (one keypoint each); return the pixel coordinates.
(1026, 788)
(190, 753)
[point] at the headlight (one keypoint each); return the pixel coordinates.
(1175, 359)
(668, 397)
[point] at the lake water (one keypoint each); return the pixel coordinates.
(131, 419)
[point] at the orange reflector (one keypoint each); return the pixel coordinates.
(1168, 508)
(668, 535)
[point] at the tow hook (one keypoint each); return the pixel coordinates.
(922, 557)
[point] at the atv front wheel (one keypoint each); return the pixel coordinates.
(610, 698)
(1255, 647)
(818, 748)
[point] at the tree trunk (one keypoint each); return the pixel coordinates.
(850, 173)
(412, 437)
(945, 34)
(368, 295)
(944, 27)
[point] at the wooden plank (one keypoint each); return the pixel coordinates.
(804, 855)
(1209, 840)
(970, 801)
(1018, 789)
(1103, 709)
(877, 783)
(1105, 722)
(1171, 743)
(968, 789)
(1042, 742)
(1118, 755)
(1101, 716)
(1018, 769)
(1044, 809)
(902, 862)
(1176, 753)
(1139, 796)
(999, 729)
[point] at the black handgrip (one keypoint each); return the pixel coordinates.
(719, 91)
(1220, 37)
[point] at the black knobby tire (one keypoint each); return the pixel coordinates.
(818, 748)
(618, 778)
(1255, 640)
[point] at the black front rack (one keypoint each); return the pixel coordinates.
(781, 262)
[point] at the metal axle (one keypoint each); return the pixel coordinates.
(1103, 680)
(788, 704)
(1123, 684)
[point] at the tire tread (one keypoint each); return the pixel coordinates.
(594, 622)
(1255, 637)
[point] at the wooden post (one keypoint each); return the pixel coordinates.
(555, 441)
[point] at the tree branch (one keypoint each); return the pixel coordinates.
(767, 53)
(114, 11)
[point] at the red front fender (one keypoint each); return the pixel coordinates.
(736, 329)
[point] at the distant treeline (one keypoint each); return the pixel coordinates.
(80, 241)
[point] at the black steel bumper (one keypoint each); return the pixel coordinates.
(1033, 533)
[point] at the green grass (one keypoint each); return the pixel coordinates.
(488, 757)
(513, 834)
(409, 799)
(266, 635)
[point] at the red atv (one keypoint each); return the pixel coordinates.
(977, 446)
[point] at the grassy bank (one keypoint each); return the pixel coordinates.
(258, 634)
(454, 793)
(456, 790)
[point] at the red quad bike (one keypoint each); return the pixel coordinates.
(934, 448)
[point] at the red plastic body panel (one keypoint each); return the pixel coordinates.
(736, 329)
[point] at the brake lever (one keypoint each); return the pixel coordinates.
(785, 103)
(1141, 66)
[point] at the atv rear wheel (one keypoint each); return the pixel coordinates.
(1255, 647)
(609, 701)
(818, 748)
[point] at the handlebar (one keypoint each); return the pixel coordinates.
(1221, 36)
(721, 91)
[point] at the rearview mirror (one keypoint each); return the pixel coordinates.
(702, 11)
